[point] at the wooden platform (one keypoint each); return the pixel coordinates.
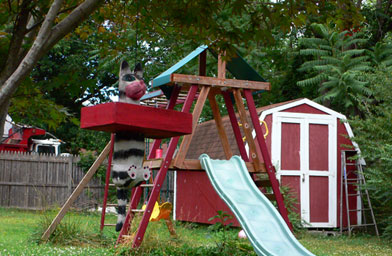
(153, 122)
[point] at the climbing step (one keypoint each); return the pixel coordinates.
(137, 210)
(147, 185)
(358, 210)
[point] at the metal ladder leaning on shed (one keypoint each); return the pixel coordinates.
(361, 193)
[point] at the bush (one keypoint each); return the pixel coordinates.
(374, 136)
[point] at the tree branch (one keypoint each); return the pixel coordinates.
(72, 21)
(38, 23)
(33, 55)
(18, 34)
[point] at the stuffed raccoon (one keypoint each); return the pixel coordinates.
(129, 147)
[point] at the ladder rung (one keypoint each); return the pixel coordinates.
(351, 164)
(111, 225)
(352, 183)
(357, 210)
(362, 225)
(352, 179)
(354, 194)
(147, 185)
(137, 210)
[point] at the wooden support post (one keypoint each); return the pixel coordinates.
(247, 129)
(196, 115)
(219, 126)
(76, 192)
(203, 63)
(222, 65)
(267, 159)
(235, 126)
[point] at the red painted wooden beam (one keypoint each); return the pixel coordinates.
(266, 156)
(234, 124)
(153, 122)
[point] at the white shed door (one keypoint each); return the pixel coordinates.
(304, 154)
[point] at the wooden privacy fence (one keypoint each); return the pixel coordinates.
(39, 181)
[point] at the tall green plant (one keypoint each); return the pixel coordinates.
(374, 136)
(381, 54)
(335, 59)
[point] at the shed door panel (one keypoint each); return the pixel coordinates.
(318, 147)
(290, 145)
(318, 199)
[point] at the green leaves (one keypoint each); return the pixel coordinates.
(336, 61)
(374, 136)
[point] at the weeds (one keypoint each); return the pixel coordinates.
(193, 239)
(70, 232)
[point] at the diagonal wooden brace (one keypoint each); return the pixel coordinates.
(78, 190)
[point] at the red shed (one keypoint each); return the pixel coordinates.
(305, 141)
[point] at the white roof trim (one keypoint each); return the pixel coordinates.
(300, 102)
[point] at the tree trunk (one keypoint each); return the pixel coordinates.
(3, 116)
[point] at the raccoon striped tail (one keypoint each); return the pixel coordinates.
(122, 196)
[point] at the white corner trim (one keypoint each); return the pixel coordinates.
(175, 195)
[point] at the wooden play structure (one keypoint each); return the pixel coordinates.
(167, 123)
(310, 146)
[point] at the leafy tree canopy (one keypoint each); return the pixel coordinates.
(84, 65)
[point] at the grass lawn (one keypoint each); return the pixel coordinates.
(79, 235)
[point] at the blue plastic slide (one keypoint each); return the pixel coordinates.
(262, 223)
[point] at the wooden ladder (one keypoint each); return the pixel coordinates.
(107, 185)
(159, 179)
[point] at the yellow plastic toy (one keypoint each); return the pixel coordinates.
(160, 212)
